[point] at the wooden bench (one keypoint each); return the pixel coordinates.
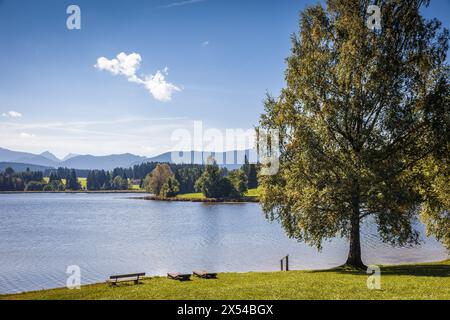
(113, 280)
(179, 277)
(205, 274)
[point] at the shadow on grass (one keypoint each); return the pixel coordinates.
(419, 270)
(430, 270)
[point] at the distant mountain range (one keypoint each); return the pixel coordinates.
(20, 167)
(46, 160)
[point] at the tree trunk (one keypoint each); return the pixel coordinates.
(354, 254)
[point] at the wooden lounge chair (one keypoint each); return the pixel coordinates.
(205, 274)
(179, 277)
(113, 280)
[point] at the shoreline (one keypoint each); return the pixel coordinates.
(205, 200)
(142, 192)
(78, 191)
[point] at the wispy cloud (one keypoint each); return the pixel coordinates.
(128, 65)
(12, 114)
(181, 3)
(27, 135)
(139, 135)
(205, 43)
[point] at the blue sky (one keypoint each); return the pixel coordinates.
(222, 55)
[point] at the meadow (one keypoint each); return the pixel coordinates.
(415, 281)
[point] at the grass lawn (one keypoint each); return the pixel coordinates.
(250, 193)
(136, 187)
(82, 182)
(191, 196)
(418, 281)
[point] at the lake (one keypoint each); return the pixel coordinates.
(104, 234)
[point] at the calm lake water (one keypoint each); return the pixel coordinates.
(42, 234)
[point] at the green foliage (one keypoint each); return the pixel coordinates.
(17, 181)
(435, 190)
(251, 171)
(239, 180)
(55, 185)
(252, 176)
(161, 181)
(208, 183)
(212, 183)
(72, 181)
(48, 187)
(227, 189)
(187, 175)
(360, 111)
(101, 180)
(120, 183)
(171, 188)
(64, 173)
(35, 186)
(53, 177)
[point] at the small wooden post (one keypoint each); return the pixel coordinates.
(282, 263)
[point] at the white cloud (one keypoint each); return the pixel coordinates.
(181, 3)
(128, 65)
(12, 114)
(124, 64)
(27, 135)
(205, 43)
(158, 87)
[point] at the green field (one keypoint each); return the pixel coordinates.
(82, 182)
(252, 193)
(136, 187)
(418, 281)
(191, 196)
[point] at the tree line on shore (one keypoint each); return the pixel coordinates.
(60, 180)
(12, 181)
(184, 178)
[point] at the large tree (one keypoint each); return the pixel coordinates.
(363, 122)
(155, 181)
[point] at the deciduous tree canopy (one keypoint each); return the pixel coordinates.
(364, 126)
